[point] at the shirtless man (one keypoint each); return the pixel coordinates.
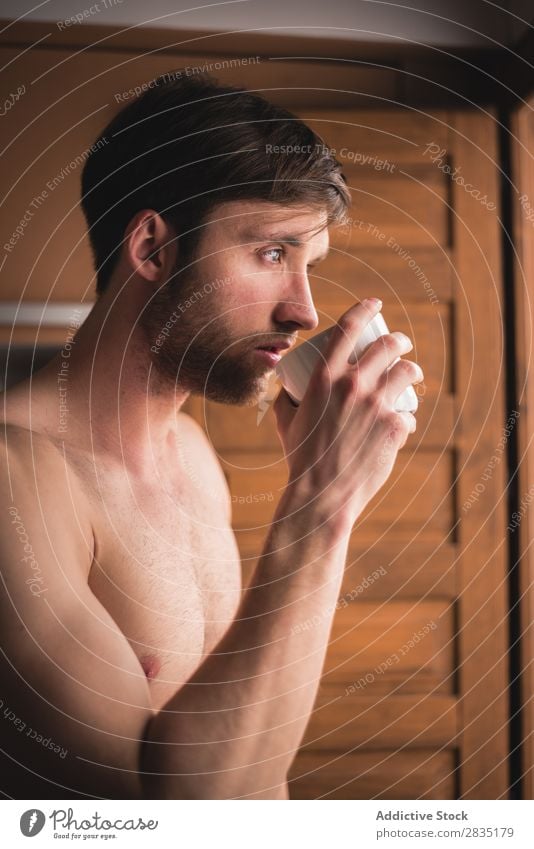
(133, 664)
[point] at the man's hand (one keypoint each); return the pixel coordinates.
(342, 441)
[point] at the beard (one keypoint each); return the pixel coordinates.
(198, 351)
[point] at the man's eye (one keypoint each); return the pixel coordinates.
(278, 251)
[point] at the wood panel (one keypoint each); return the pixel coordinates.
(380, 570)
(373, 775)
(350, 723)
(415, 570)
(398, 208)
(482, 635)
(395, 646)
(416, 496)
(392, 275)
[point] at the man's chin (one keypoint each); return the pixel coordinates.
(238, 394)
(235, 381)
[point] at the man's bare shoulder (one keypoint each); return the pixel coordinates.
(36, 479)
(38, 456)
(20, 434)
(23, 448)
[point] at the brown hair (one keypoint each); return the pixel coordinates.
(188, 144)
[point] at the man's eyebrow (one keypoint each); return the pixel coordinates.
(287, 238)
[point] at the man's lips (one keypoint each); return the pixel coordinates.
(269, 356)
(276, 347)
(272, 354)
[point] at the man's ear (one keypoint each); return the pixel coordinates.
(150, 246)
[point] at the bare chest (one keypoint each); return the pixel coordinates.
(167, 569)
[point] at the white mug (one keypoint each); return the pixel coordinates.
(295, 368)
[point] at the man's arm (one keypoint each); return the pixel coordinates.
(233, 729)
(74, 699)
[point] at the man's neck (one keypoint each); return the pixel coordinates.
(107, 396)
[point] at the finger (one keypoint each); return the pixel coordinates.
(411, 425)
(381, 354)
(398, 377)
(346, 332)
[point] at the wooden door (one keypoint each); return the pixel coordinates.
(413, 700)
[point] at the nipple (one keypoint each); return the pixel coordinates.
(151, 665)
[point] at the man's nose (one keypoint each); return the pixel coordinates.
(297, 305)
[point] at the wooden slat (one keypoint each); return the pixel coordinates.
(398, 646)
(373, 775)
(410, 211)
(399, 135)
(417, 494)
(479, 353)
(286, 82)
(391, 570)
(350, 723)
(384, 571)
(381, 271)
(417, 497)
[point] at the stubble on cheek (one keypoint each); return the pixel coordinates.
(201, 352)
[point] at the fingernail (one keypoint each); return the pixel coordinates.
(402, 337)
(374, 302)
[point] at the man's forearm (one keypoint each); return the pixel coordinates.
(233, 729)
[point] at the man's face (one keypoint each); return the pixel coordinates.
(246, 291)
